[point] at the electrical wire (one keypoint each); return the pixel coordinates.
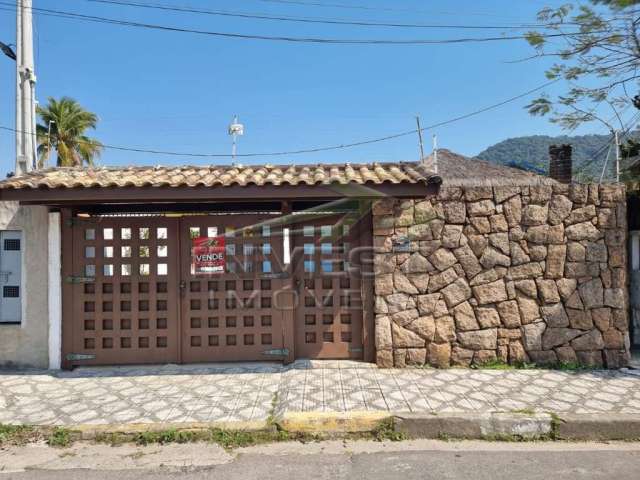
(318, 149)
(313, 40)
(359, 23)
(606, 145)
(370, 8)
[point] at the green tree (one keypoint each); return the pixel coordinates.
(67, 121)
(597, 54)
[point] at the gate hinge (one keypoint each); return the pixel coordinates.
(277, 352)
(72, 357)
(75, 279)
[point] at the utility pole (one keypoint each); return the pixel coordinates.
(25, 90)
(604, 166)
(435, 153)
(420, 139)
(8, 51)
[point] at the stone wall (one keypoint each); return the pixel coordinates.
(510, 273)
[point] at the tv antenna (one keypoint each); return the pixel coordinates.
(236, 129)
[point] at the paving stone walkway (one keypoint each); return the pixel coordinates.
(253, 392)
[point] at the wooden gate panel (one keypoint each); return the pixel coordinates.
(238, 314)
(125, 302)
(329, 320)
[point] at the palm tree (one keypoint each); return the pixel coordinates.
(67, 121)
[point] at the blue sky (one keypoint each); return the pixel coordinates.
(174, 91)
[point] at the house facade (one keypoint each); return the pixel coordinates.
(386, 263)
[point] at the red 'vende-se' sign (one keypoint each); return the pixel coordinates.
(207, 255)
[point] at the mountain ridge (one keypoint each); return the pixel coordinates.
(532, 153)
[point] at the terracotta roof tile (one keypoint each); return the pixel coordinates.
(212, 176)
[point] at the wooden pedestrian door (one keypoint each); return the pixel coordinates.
(212, 287)
(327, 272)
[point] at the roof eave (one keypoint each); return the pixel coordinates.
(167, 194)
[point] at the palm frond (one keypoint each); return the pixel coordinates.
(67, 121)
(88, 149)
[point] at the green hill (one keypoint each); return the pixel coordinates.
(532, 153)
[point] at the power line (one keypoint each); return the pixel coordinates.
(325, 148)
(360, 23)
(314, 40)
(370, 8)
(595, 156)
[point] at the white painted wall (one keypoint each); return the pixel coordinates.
(55, 292)
(27, 344)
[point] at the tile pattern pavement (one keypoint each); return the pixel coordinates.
(253, 392)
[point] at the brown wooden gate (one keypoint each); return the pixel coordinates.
(289, 289)
(124, 291)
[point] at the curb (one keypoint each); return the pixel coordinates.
(475, 426)
(328, 422)
(90, 432)
(610, 426)
(515, 426)
(482, 426)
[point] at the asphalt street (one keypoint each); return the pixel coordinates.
(442, 461)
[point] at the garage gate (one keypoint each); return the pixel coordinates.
(162, 288)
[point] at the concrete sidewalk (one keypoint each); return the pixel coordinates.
(250, 394)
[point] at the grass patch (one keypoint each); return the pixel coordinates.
(237, 439)
(271, 419)
(113, 439)
(525, 411)
(500, 365)
(227, 439)
(60, 437)
(570, 366)
(498, 437)
(163, 437)
(555, 425)
(493, 365)
(385, 431)
(17, 434)
(23, 434)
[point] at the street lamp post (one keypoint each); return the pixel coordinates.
(8, 51)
